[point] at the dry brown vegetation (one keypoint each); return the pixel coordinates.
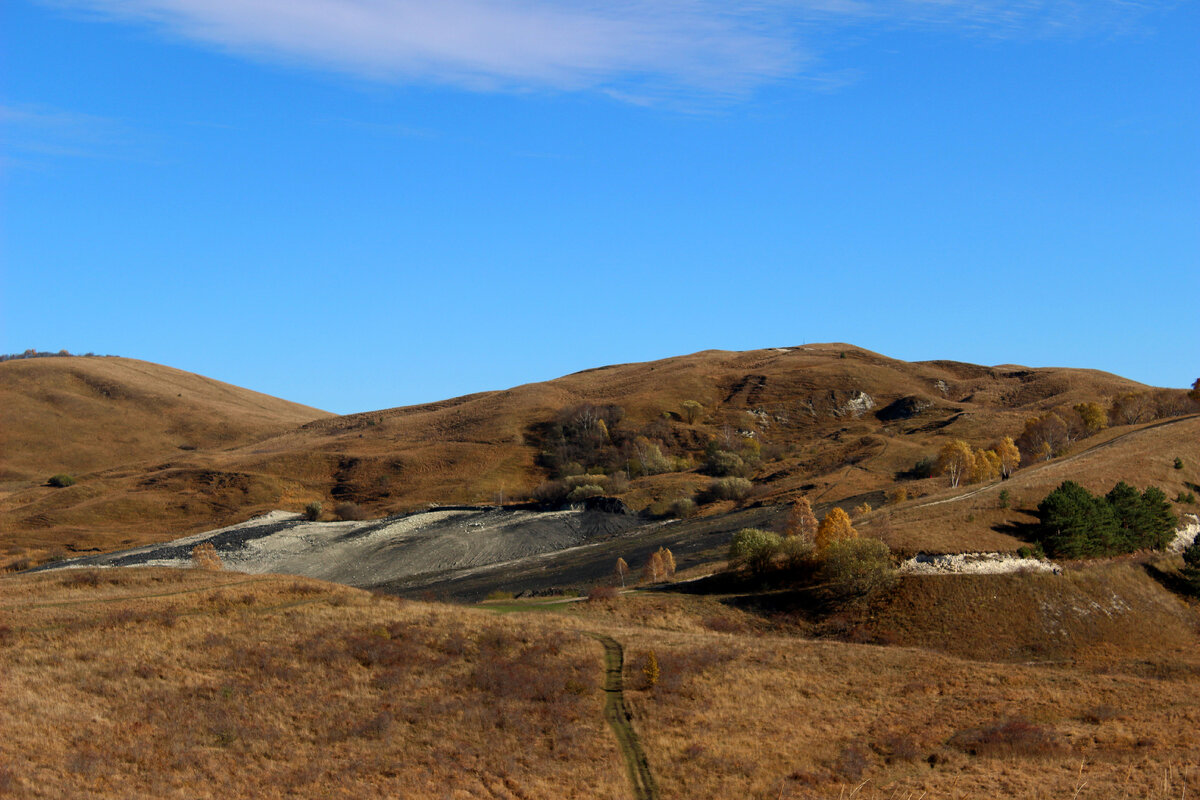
(138, 439)
(157, 452)
(160, 683)
(194, 683)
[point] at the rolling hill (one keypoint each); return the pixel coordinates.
(158, 452)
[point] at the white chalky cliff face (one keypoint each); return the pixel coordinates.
(1185, 534)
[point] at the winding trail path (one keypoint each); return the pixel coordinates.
(619, 718)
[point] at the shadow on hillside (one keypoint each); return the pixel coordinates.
(1026, 531)
(782, 596)
(1170, 579)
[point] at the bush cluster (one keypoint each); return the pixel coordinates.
(729, 488)
(754, 549)
(1074, 523)
(856, 566)
(846, 567)
(577, 488)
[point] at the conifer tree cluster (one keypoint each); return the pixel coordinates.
(1074, 523)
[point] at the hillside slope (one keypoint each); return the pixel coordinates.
(80, 414)
(835, 422)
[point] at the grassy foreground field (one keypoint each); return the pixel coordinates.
(162, 683)
(168, 683)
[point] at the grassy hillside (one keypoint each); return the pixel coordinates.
(79, 415)
(108, 422)
(834, 422)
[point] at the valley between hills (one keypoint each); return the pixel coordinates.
(210, 592)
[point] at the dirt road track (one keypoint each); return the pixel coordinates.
(620, 718)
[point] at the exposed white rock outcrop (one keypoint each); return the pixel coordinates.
(1185, 534)
(975, 564)
(857, 405)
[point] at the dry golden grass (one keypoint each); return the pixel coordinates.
(154, 683)
(79, 415)
(741, 711)
(772, 717)
(196, 683)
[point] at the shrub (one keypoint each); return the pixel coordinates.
(683, 508)
(81, 578)
(863, 510)
(1036, 551)
(923, 468)
(1004, 497)
(602, 593)
(729, 488)
(348, 512)
(722, 463)
(550, 493)
(795, 551)
(753, 549)
(583, 492)
(204, 556)
(61, 480)
(587, 479)
(853, 567)
(648, 459)
(1191, 555)
(312, 511)
(1178, 462)
(1185, 497)
(898, 495)
(650, 670)
(1012, 737)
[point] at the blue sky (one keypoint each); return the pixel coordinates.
(370, 203)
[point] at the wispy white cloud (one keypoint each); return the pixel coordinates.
(634, 49)
(30, 131)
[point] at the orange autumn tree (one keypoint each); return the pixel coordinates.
(834, 528)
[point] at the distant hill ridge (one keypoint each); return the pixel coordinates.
(59, 354)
